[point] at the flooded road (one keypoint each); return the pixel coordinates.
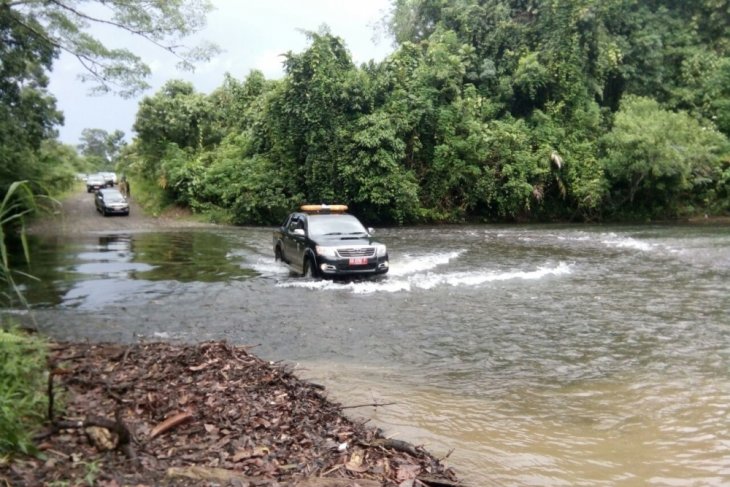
(531, 355)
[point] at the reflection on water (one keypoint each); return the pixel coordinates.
(96, 271)
(541, 355)
(187, 257)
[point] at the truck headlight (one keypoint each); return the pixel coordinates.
(381, 250)
(330, 252)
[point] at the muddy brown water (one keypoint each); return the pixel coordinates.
(530, 355)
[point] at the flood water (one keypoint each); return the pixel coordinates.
(530, 355)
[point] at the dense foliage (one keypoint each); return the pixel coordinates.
(27, 111)
(32, 35)
(487, 110)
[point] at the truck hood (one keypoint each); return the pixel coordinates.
(344, 240)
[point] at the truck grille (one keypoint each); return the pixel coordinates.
(356, 251)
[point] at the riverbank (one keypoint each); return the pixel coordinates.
(208, 414)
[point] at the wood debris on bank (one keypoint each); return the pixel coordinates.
(206, 414)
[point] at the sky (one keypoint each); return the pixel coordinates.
(253, 35)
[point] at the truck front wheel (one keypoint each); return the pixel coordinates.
(309, 270)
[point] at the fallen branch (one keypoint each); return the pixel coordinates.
(213, 474)
(433, 481)
(125, 436)
(126, 354)
(223, 475)
(398, 445)
(50, 396)
(375, 405)
(446, 456)
(170, 423)
(53, 371)
(331, 482)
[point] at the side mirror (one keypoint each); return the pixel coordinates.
(371, 230)
(299, 231)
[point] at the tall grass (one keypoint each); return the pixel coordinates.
(23, 369)
(15, 206)
(23, 378)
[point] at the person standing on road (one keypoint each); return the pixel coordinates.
(124, 187)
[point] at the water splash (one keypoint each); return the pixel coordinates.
(267, 266)
(409, 264)
(628, 243)
(477, 278)
(426, 280)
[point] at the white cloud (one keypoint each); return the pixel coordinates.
(270, 62)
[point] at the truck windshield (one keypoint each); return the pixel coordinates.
(322, 225)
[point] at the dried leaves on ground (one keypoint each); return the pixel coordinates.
(206, 414)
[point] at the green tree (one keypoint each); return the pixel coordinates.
(380, 189)
(249, 188)
(574, 187)
(175, 115)
(27, 111)
(239, 104)
(63, 25)
(58, 165)
(100, 148)
(320, 96)
(705, 87)
(660, 163)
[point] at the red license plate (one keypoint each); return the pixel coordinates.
(358, 260)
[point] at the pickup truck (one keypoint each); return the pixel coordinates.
(325, 241)
(94, 182)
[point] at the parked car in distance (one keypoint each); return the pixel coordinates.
(110, 201)
(94, 182)
(325, 241)
(110, 178)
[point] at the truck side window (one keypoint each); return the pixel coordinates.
(294, 224)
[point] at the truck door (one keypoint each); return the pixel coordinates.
(294, 242)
